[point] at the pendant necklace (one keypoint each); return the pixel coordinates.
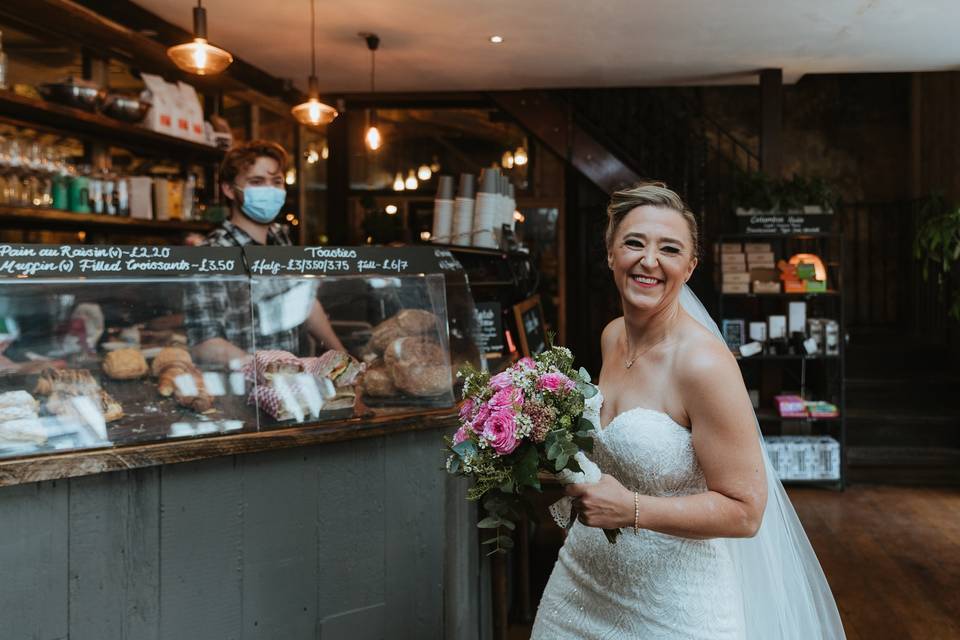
(629, 363)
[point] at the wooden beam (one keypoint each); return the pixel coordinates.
(338, 180)
(771, 121)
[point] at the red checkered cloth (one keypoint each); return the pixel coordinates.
(256, 369)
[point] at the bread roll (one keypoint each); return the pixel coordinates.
(376, 382)
(168, 355)
(409, 322)
(417, 366)
(125, 364)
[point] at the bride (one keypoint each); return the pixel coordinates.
(711, 547)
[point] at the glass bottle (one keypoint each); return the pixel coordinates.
(3, 64)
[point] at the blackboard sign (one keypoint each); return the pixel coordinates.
(782, 223)
(113, 261)
(341, 261)
(529, 317)
(489, 328)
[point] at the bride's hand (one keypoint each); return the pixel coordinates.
(606, 504)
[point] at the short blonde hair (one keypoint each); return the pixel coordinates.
(654, 194)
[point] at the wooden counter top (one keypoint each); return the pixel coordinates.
(92, 461)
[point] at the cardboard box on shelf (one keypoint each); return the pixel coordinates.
(733, 267)
(736, 277)
(757, 247)
(760, 286)
(733, 287)
(726, 258)
(141, 197)
(731, 247)
(765, 256)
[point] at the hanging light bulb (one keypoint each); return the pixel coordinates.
(324, 151)
(507, 160)
(312, 155)
(313, 112)
(200, 57)
(435, 165)
(373, 138)
(520, 157)
(411, 182)
(398, 183)
(424, 173)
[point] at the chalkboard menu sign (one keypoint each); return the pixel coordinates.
(113, 261)
(781, 223)
(341, 261)
(489, 328)
(529, 317)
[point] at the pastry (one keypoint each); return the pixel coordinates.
(185, 383)
(125, 364)
(23, 430)
(417, 366)
(168, 355)
(376, 382)
(69, 381)
(17, 411)
(409, 322)
(111, 409)
(17, 398)
(67, 404)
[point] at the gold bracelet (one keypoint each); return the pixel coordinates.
(636, 513)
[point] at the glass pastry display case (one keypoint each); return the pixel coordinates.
(343, 332)
(94, 350)
(104, 346)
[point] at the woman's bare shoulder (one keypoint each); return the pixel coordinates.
(702, 356)
(611, 332)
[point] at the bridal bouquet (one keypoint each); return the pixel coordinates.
(523, 420)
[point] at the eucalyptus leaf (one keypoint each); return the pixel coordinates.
(490, 522)
(585, 425)
(561, 461)
(584, 375)
(465, 448)
(506, 543)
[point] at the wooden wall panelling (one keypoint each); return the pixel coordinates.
(280, 567)
(114, 547)
(201, 550)
(350, 524)
(33, 561)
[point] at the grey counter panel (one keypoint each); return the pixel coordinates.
(358, 540)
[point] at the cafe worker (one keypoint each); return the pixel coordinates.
(252, 181)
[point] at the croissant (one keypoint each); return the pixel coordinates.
(185, 383)
(169, 355)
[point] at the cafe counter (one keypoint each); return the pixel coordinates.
(212, 442)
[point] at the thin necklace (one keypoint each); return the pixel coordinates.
(629, 363)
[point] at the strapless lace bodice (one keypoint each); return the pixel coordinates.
(650, 585)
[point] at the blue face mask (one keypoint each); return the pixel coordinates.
(262, 204)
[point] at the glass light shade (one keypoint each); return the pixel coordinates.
(435, 165)
(398, 183)
(520, 157)
(200, 57)
(507, 160)
(411, 182)
(314, 113)
(391, 209)
(325, 151)
(373, 138)
(424, 172)
(424, 235)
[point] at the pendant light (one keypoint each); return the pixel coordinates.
(411, 182)
(507, 160)
(313, 112)
(424, 173)
(398, 182)
(199, 56)
(372, 137)
(520, 157)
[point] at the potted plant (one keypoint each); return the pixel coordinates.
(937, 245)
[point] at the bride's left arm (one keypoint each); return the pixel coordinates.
(728, 448)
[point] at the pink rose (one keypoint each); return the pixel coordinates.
(506, 398)
(466, 410)
(501, 432)
(527, 363)
(461, 435)
(480, 420)
(555, 382)
(501, 380)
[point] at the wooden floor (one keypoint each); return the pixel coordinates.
(891, 555)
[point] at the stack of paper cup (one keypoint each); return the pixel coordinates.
(487, 213)
(512, 206)
(463, 210)
(443, 211)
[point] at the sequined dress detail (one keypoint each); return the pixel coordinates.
(652, 585)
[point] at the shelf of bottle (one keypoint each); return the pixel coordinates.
(56, 219)
(41, 114)
(805, 294)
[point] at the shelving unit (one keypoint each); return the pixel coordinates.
(828, 371)
(56, 219)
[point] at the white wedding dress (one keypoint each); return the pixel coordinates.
(655, 586)
(651, 585)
